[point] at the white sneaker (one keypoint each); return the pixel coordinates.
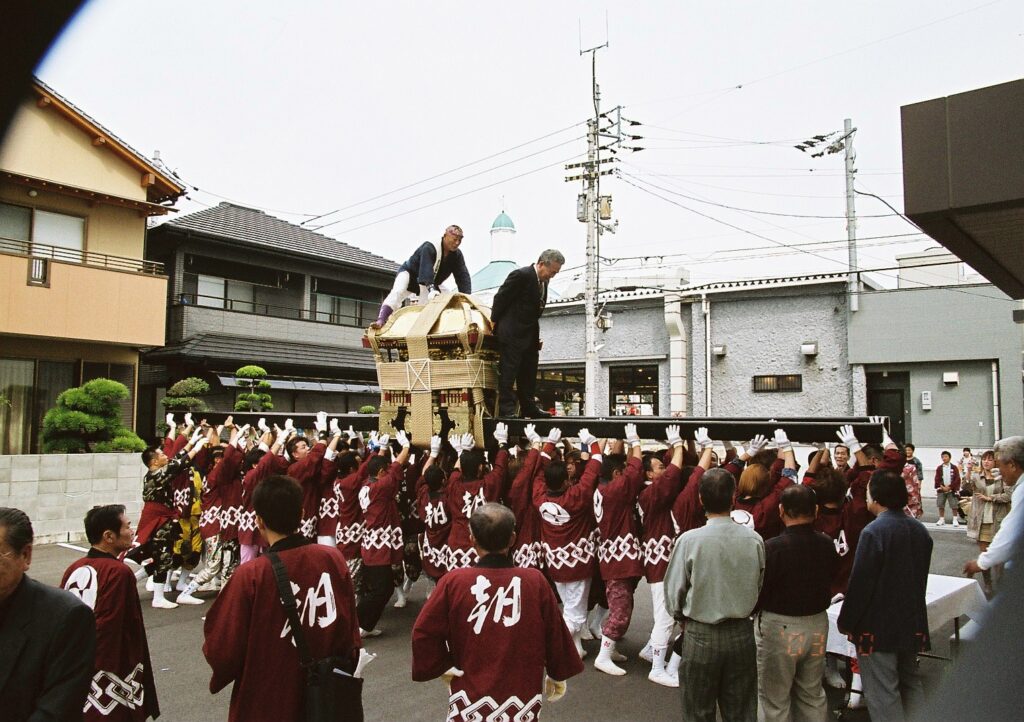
(163, 604)
(579, 646)
(186, 598)
(604, 661)
(662, 677)
(401, 601)
(211, 586)
(363, 633)
(941, 521)
(586, 634)
(149, 584)
(956, 522)
(645, 653)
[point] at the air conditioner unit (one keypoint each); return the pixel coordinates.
(951, 378)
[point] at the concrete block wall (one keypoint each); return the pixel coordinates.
(56, 490)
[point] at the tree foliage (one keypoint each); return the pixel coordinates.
(87, 419)
(257, 397)
(183, 395)
(368, 409)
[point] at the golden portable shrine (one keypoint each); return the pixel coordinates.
(437, 366)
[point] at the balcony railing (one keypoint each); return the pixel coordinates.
(366, 311)
(86, 258)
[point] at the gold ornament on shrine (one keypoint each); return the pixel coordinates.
(436, 361)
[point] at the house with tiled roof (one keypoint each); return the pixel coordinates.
(78, 299)
(246, 287)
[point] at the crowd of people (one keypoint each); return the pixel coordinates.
(528, 550)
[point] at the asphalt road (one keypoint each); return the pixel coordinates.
(182, 676)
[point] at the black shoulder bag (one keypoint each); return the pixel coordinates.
(332, 694)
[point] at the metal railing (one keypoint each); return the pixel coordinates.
(220, 303)
(30, 249)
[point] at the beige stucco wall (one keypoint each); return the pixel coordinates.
(42, 143)
(40, 348)
(83, 303)
(112, 230)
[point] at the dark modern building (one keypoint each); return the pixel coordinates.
(245, 287)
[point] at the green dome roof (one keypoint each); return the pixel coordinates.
(503, 221)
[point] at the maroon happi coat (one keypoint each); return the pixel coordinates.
(618, 545)
(657, 535)
(327, 513)
(432, 509)
(502, 627)
(268, 465)
(307, 472)
(181, 484)
(122, 688)
(687, 512)
(567, 522)
(465, 497)
(527, 552)
(349, 534)
(215, 514)
(248, 638)
(231, 506)
(381, 544)
(765, 509)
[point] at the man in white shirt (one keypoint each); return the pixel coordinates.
(1010, 462)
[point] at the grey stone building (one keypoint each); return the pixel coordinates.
(943, 363)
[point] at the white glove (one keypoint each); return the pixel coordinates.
(170, 420)
(383, 440)
(403, 439)
(586, 438)
(819, 445)
(203, 441)
(435, 446)
(837, 598)
(321, 422)
(782, 441)
(196, 437)
(553, 689)
(451, 674)
(849, 439)
(374, 441)
(756, 444)
(456, 441)
(886, 439)
(188, 420)
(501, 433)
(702, 438)
(728, 445)
(555, 435)
(350, 433)
(262, 425)
(431, 295)
(289, 426)
(632, 436)
(334, 428)
(530, 432)
(672, 436)
(467, 441)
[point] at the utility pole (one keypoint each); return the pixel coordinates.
(851, 215)
(592, 208)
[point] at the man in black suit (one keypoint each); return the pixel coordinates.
(47, 635)
(516, 313)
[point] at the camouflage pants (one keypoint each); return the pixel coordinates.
(159, 550)
(355, 571)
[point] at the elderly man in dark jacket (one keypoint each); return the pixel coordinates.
(430, 266)
(516, 312)
(885, 613)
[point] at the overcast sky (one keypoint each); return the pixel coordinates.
(304, 108)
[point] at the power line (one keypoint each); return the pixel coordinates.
(449, 183)
(621, 173)
(450, 171)
(460, 195)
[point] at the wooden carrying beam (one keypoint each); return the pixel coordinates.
(805, 430)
